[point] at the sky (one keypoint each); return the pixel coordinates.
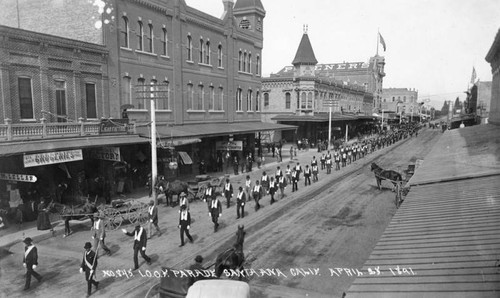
(432, 45)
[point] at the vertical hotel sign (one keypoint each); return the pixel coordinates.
(41, 159)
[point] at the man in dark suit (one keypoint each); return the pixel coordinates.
(153, 218)
(140, 241)
(241, 199)
(195, 268)
(30, 262)
(257, 194)
(184, 224)
(89, 264)
(228, 192)
(215, 212)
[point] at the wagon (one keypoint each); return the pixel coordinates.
(172, 286)
(200, 185)
(134, 212)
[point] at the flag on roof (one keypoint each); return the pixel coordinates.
(382, 41)
(473, 76)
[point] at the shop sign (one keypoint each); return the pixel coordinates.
(113, 126)
(40, 159)
(107, 153)
(18, 177)
(231, 146)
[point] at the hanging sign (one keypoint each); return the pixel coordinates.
(18, 177)
(231, 146)
(40, 159)
(107, 153)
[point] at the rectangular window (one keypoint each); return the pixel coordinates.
(150, 39)
(124, 34)
(25, 98)
(141, 93)
(126, 90)
(207, 53)
(60, 89)
(257, 101)
(249, 101)
(166, 95)
(140, 35)
(90, 100)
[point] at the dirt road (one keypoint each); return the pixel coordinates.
(332, 224)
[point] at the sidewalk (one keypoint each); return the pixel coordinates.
(15, 234)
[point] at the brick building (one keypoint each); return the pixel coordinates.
(203, 73)
(302, 95)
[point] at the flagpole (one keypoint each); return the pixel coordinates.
(378, 39)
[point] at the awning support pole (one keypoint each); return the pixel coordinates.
(329, 128)
(346, 131)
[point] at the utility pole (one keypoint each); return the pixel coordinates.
(154, 170)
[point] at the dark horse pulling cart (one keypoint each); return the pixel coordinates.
(395, 178)
(175, 286)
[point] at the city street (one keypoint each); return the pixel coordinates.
(334, 223)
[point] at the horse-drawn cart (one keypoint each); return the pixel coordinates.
(199, 186)
(401, 187)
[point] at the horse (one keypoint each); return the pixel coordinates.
(233, 258)
(77, 213)
(171, 188)
(381, 174)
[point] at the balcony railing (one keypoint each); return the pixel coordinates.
(44, 130)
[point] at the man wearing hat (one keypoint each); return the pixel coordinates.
(153, 218)
(89, 264)
(183, 201)
(30, 261)
(228, 192)
(184, 224)
(99, 234)
(194, 268)
(140, 241)
(241, 199)
(215, 212)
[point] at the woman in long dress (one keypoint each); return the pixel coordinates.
(43, 221)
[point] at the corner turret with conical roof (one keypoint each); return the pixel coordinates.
(249, 15)
(304, 61)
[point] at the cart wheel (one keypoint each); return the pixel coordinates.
(134, 212)
(201, 191)
(114, 218)
(154, 291)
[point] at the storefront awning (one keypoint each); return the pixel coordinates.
(186, 159)
(46, 145)
(169, 142)
(211, 129)
(314, 118)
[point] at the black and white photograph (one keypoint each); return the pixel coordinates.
(250, 148)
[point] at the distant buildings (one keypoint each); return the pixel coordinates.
(303, 93)
(401, 101)
(493, 57)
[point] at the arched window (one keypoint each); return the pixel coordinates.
(164, 42)
(220, 102)
(189, 48)
(190, 96)
(257, 101)
(125, 31)
(219, 56)
(303, 101)
(249, 101)
(238, 99)
(165, 88)
(126, 90)
(141, 96)
(202, 51)
(207, 53)
(211, 101)
(309, 105)
(288, 100)
(240, 57)
(140, 35)
(150, 39)
(249, 66)
(257, 65)
(201, 98)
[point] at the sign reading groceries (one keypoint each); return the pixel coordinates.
(40, 159)
(231, 145)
